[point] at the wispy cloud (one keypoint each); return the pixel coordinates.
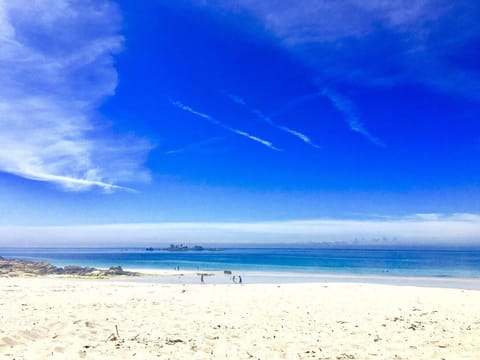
(309, 21)
(299, 135)
(260, 115)
(74, 183)
(347, 108)
(209, 118)
(194, 146)
(372, 42)
(416, 229)
(53, 76)
(235, 98)
(292, 104)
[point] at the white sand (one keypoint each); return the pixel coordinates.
(55, 318)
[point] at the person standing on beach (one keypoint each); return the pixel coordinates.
(201, 279)
(239, 279)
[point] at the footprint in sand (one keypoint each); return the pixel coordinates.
(8, 341)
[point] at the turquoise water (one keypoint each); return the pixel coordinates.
(464, 263)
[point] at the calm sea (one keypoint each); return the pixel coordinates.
(464, 263)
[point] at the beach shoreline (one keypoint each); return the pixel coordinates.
(168, 276)
(12, 267)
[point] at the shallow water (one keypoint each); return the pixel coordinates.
(399, 262)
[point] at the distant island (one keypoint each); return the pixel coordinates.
(182, 247)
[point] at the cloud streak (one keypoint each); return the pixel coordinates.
(235, 98)
(74, 183)
(194, 146)
(347, 108)
(267, 119)
(415, 229)
(292, 104)
(341, 103)
(212, 120)
(53, 76)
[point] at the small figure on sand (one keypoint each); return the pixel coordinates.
(234, 279)
(240, 279)
(201, 278)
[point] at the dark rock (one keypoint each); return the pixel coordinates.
(77, 270)
(115, 270)
(12, 267)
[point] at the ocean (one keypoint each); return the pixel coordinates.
(424, 262)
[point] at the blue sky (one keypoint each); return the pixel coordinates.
(121, 113)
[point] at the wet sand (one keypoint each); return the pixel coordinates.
(166, 276)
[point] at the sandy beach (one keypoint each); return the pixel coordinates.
(63, 318)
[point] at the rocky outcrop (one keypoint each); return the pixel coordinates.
(12, 267)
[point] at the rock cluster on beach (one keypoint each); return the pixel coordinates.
(12, 267)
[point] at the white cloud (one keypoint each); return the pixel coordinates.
(417, 229)
(56, 66)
